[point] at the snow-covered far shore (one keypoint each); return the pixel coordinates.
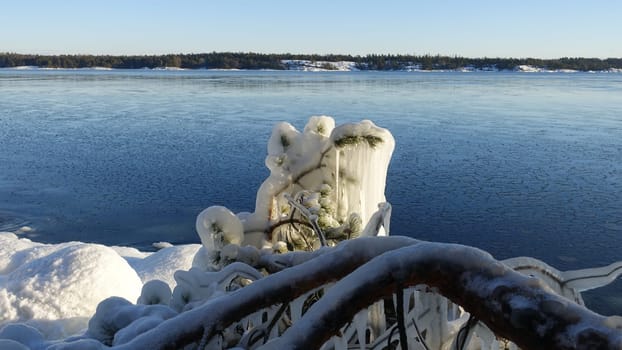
(319, 66)
(324, 66)
(328, 66)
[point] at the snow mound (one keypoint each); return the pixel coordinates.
(162, 264)
(55, 288)
(44, 283)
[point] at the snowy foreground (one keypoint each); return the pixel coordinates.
(56, 287)
(310, 268)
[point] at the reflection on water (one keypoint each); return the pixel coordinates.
(517, 164)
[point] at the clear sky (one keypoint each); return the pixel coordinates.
(472, 28)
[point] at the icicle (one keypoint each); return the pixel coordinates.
(337, 195)
(339, 343)
(443, 315)
(587, 279)
(296, 306)
(367, 152)
(274, 332)
(215, 343)
(360, 324)
(377, 319)
(485, 335)
(255, 320)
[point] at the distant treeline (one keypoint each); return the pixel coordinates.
(232, 60)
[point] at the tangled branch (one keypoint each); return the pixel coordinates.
(512, 305)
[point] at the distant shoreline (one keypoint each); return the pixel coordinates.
(257, 61)
(526, 70)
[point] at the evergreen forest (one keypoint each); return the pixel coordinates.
(249, 60)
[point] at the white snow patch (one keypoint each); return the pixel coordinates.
(527, 68)
(319, 66)
(162, 264)
(168, 68)
(55, 288)
(61, 283)
(25, 67)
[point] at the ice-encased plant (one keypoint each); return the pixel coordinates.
(325, 184)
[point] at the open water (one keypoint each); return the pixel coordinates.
(513, 163)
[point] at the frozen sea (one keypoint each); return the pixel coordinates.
(513, 163)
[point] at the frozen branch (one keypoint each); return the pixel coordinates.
(283, 287)
(512, 305)
(311, 217)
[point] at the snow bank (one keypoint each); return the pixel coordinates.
(63, 282)
(163, 264)
(55, 288)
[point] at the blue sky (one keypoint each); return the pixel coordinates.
(474, 28)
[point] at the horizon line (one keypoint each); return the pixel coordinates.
(302, 54)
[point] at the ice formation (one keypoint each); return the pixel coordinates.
(217, 227)
(325, 180)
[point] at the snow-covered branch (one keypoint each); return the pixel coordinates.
(512, 305)
(216, 315)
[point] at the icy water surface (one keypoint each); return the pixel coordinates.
(516, 164)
